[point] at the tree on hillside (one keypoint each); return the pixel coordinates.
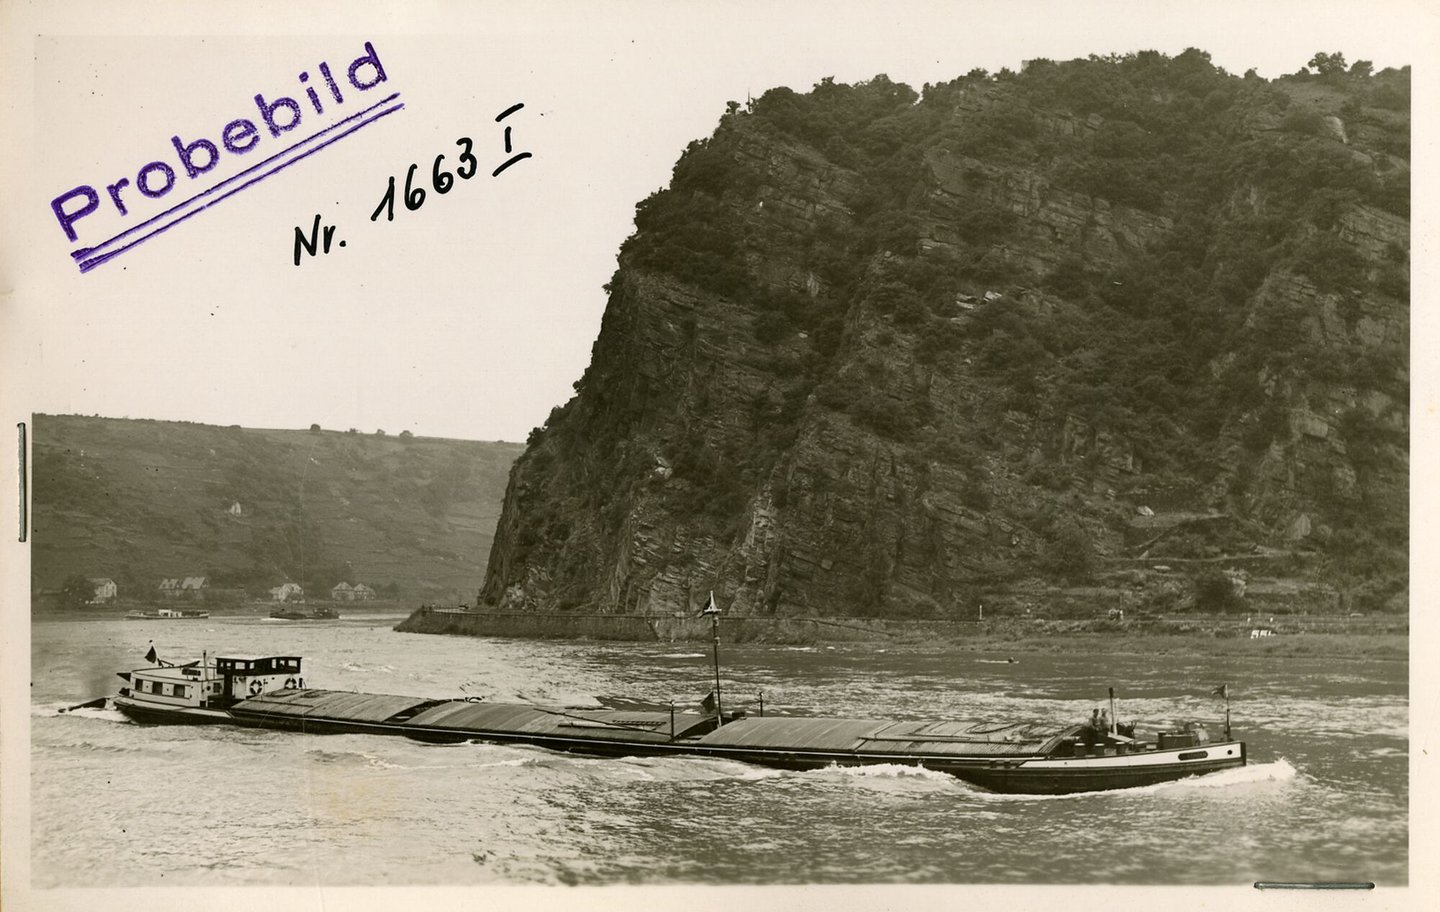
(1069, 553)
(1328, 64)
(1215, 593)
(76, 591)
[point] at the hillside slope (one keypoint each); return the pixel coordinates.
(883, 352)
(141, 500)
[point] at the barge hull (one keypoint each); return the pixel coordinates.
(165, 715)
(697, 736)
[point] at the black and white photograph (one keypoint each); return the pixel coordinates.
(627, 454)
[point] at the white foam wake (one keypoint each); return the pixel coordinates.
(883, 771)
(55, 710)
(1276, 771)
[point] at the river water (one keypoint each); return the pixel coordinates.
(118, 804)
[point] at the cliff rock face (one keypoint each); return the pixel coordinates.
(876, 354)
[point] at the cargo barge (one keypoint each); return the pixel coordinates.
(315, 614)
(167, 614)
(1013, 757)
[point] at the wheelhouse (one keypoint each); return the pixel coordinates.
(244, 677)
(249, 666)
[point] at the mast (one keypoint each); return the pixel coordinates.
(1224, 691)
(714, 611)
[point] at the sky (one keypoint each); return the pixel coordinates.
(473, 315)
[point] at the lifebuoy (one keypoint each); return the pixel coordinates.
(289, 683)
(255, 687)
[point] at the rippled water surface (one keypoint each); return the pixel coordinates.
(118, 804)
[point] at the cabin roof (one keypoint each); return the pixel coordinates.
(481, 718)
(255, 658)
(798, 733)
(173, 672)
(331, 704)
(608, 724)
(996, 739)
(776, 733)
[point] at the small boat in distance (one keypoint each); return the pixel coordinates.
(294, 614)
(167, 614)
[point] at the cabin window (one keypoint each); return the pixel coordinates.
(181, 690)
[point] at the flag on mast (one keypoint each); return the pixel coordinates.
(151, 656)
(1222, 691)
(710, 606)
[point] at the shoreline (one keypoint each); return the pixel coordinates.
(259, 610)
(1377, 638)
(1384, 646)
(1350, 638)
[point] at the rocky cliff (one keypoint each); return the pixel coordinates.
(879, 352)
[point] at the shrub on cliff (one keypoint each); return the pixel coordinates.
(1215, 593)
(1069, 554)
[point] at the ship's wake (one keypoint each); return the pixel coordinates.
(1255, 774)
(883, 771)
(897, 779)
(54, 710)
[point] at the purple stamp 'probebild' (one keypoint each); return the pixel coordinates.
(239, 137)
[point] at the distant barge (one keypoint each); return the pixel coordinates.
(315, 614)
(1015, 757)
(167, 614)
